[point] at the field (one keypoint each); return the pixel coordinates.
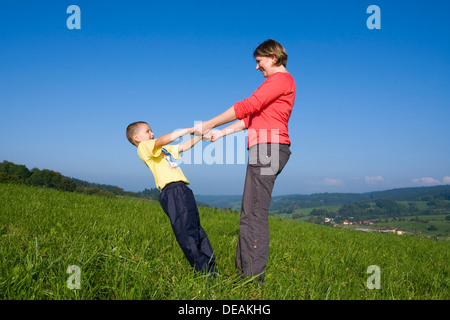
(432, 226)
(125, 249)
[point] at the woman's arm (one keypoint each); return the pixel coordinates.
(270, 90)
(205, 126)
(215, 135)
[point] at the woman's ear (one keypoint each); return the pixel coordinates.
(274, 60)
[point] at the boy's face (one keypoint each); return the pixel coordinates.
(143, 133)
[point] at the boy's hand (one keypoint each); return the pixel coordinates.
(191, 131)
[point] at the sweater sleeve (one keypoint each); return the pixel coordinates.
(268, 91)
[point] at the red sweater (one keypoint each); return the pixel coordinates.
(267, 111)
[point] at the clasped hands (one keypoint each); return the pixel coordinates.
(204, 129)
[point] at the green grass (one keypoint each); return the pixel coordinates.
(125, 249)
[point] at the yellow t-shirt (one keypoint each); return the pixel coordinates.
(160, 160)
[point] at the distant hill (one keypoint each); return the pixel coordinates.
(224, 202)
(19, 174)
(288, 203)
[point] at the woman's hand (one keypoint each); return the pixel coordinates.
(201, 128)
(214, 135)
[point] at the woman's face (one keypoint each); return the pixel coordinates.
(265, 65)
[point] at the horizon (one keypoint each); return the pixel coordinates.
(371, 110)
(273, 196)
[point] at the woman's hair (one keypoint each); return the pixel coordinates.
(271, 48)
(132, 129)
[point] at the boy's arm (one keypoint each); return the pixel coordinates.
(170, 137)
(189, 144)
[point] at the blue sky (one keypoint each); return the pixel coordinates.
(372, 108)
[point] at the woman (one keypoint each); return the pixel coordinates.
(265, 114)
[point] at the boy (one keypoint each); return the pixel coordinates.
(176, 198)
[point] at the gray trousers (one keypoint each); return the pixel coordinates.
(265, 163)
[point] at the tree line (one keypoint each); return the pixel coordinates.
(289, 203)
(20, 174)
(384, 208)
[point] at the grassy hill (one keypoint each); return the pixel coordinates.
(125, 249)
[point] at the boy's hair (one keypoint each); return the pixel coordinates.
(271, 48)
(132, 129)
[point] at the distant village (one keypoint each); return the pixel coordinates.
(359, 225)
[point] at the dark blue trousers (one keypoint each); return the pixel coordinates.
(178, 202)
